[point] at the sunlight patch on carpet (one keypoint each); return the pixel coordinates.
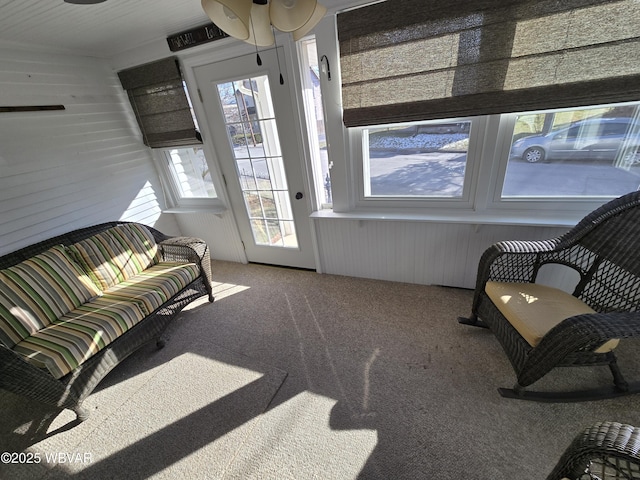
(297, 440)
(223, 290)
(188, 421)
(220, 291)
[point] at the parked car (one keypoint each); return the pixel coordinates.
(608, 139)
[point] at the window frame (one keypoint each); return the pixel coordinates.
(174, 200)
(357, 138)
(548, 207)
(311, 143)
(491, 155)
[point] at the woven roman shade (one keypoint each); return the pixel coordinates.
(406, 60)
(160, 103)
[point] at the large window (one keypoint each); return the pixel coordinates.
(589, 152)
(524, 162)
(562, 162)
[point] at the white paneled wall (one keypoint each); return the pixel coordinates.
(218, 230)
(414, 252)
(66, 169)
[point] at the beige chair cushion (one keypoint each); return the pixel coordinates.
(535, 309)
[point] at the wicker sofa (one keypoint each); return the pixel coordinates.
(73, 306)
(540, 327)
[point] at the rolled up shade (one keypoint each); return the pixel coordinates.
(407, 60)
(160, 103)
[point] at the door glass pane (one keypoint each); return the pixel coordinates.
(255, 143)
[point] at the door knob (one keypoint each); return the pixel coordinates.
(299, 195)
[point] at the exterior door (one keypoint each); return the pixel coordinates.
(254, 134)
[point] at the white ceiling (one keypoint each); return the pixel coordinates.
(103, 30)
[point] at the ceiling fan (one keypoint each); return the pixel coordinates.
(254, 20)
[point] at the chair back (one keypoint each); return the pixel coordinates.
(605, 249)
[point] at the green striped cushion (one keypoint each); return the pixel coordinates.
(117, 254)
(99, 257)
(137, 239)
(169, 277)
(38, 291)
(66, 343)
(155, 285)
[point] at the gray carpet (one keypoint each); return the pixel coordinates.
(295, 375)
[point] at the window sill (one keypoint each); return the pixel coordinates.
(538, 219)
(215, 209)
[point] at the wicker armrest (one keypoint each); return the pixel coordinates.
(182, 249)
(190, 249)
(604, 450)
(510, 261)
(579, 333)
(513, 261)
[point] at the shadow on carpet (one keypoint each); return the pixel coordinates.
(178, 416)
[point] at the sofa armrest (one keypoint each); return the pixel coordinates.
(192, 250)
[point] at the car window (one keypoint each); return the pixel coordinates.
(616, 128)
(572, 132)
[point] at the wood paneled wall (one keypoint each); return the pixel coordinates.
(426, 253)
(65, 169)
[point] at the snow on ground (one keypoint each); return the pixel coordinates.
(421, 141)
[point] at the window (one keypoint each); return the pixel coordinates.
(589, 152)
(416, 159)
(498, 176)
(314, 113)
(190, 173)
(431, 164)
(526, 163)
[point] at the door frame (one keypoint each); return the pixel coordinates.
(288, 63)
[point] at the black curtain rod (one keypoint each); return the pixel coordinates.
(34, 108)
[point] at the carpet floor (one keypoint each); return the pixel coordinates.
(295, 375)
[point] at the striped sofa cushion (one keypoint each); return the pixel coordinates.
(154, 286)
(38, 291)
(67, 342)
(117, 254)
(139, 240)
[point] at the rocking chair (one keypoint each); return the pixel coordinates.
(541, 327)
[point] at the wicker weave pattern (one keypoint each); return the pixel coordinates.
(21, 378)
(606, 450)
(604, 248)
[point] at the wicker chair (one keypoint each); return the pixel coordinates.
(607, 450)
(604, 248)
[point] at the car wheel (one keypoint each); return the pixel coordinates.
(533, 154)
